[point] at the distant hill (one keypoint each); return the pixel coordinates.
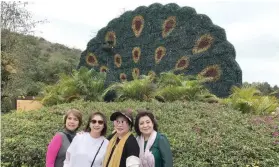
(29, 62)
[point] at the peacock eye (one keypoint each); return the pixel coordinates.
(203, 43)
(168, 26)
(91, 59)
(137, 25)
(160, 52)
(210, 74)
(136, 53)
(182, 63)
(103, 69)
(117, 60)
(123, 77)
(110, 38)
(135, 73)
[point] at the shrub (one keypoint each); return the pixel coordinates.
(200, 134)
(248, 99)
(167, 87)
(138, 89)
(82, 84)
(180, 87)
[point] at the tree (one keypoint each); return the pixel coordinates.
(276, 91)
(14, 19)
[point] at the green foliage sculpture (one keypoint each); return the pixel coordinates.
(158, 38)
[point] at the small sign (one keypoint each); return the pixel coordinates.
(27, 104)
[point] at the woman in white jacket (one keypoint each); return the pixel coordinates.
(88, 149)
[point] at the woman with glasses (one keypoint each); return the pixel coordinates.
(59, 144)
(88, 149)
(155, 149)
(123, 149)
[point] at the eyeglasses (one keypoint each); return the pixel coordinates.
(100, 122)
(120, 122)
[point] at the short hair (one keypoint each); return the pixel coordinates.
(88, 129)
(142, 113)
(76, 113)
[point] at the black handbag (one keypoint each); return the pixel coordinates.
(97, 154)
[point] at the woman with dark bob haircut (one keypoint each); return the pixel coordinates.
(89, 148)
(155, 149)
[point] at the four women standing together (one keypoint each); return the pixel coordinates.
(92, 149)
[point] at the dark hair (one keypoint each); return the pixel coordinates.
(76, 113)
(142, 113)
(88, 129)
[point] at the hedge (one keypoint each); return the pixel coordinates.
(200, 134)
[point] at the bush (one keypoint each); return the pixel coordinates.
(81, 84)
(200, 134)
(167, 87)
(248, 99)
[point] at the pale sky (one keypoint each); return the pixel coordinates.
(251, 26)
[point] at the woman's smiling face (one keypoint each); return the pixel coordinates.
(146, 126)
(121, 125)
(72, 122)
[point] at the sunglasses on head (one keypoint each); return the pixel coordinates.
(100, 122)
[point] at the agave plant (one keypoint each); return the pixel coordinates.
(138, 89)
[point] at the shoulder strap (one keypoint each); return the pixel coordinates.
(69, 137)
(97, 153)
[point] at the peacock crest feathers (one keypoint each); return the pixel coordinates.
(158, 38)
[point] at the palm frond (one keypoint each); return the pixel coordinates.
(82, 83)
(247, 99)
(169, 78)
(139, 89)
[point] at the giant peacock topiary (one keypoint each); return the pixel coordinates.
(158, 38)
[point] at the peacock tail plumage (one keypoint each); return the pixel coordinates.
(159, 38)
